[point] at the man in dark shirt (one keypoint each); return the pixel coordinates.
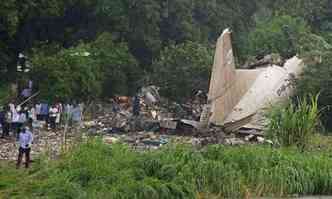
(136, 105)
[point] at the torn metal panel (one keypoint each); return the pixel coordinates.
(192, 123)
(272, 85)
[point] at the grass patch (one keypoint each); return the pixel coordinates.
(95, 170)
(294, 125)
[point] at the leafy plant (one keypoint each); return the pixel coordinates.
(95, 170)
(316, 78)
(279, 34)
(294, 124)
(86, 71)
(183, 69)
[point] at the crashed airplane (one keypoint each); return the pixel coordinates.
(238, 97)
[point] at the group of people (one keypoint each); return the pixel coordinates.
(20, 121)
(13, 118)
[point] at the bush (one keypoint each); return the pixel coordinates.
(277, 35)
(95, 170)
(294, 124)
(120, 70)
(183, 69)
(317, 79)
(87, 71)
(285, 35)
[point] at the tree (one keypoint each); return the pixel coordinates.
(317, 78)
(68, 74)
(120, 69)
(85, 72)
(280, 34)
(183, 69)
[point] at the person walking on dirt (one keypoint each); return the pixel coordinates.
(25, 141)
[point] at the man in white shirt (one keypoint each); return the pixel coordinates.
(25, 141)
(15, 122)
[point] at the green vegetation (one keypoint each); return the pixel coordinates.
(95, 170)
(317, 78)
(294, 124)
(280, 34)
(134, 40)
(4, 93)
(85, 72)
(188, 65)
(93, 49)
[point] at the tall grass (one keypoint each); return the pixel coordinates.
(94, 170)
(294, 124)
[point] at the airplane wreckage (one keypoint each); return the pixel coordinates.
(238, 98)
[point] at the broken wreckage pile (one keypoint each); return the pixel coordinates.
(160, 122)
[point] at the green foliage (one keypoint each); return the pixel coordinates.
(4, 94)
(145, 28)
(317, 79)
(287, 36)
(277, 35)
(315, 12)
(86, 71)
(119, 68)
(183, 69)
(94, 170)
(67, 74)
(294, 124)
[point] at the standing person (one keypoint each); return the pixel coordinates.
(53, 114)
(44, 111)
(7, 122)
(2, 118)
(15, 120)
(32, 116)
(30, 85)
(38, 108)
(68, 113)
(21, 121)
(77, 114)
(58, 116)
(25, 140)
(26, 93)
(136, 105)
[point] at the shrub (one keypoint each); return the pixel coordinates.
(285, 35)
(183, 69)
(294, 124)
(86, 71)
(95, 170)
(278, 34)
(316, 78)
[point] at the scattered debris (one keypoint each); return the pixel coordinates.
(267, 60)
(234, 141)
